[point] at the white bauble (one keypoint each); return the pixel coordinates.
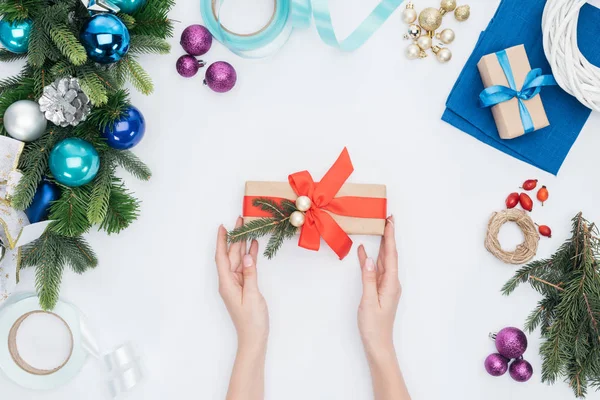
(24, 121)
(297, 219)
(424, 42)
(409, 15)
(444, 55)
(447, 36)
(413, 51)
(303, 203)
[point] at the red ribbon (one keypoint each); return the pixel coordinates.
(320, 224)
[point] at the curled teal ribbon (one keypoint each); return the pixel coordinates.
(534, 81)
(290, 14)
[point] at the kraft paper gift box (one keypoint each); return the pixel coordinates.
(371, 193)
(507, 115)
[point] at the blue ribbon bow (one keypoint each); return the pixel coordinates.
(534, 81)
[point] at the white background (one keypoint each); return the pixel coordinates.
(156, 284)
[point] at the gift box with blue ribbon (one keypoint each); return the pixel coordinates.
(512, 90)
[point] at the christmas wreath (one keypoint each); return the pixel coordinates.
(69, 107)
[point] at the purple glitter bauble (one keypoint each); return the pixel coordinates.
(511, 342)
(187, 66)
(196, 40)
(496, 364)
(520, 370)
(220, 77)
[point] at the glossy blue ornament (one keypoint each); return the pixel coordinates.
(127, 131)
(14, 36)
(46, 193)
(129, 6)
(105, 38)
(74, 162)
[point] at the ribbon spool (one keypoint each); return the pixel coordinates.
(122, 365)
(290, 14)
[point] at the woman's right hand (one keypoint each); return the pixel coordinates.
(381, 294)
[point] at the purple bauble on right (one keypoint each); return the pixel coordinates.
(520, 370)
(496, 364)
(220, 77)
(187, 66)
(196, 40)
(511, 342)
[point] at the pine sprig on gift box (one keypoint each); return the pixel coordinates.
(569, 313)
(278, 226)
(55, 52)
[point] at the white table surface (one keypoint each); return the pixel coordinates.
(156, 284)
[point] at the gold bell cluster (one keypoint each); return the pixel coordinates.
(429, 21)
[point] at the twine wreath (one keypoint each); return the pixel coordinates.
(526, 250)
(573, 72)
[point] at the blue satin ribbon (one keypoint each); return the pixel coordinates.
(291, 14)
(534, 81)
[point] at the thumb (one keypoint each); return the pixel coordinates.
(369, 278)
(249, 271)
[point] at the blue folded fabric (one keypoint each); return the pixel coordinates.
(517, 22)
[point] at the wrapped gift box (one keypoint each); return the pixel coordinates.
(506, 114)
(372, 196)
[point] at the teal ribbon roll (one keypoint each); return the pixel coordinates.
(287, 16)
(534, 81)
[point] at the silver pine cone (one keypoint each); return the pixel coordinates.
(64, 103)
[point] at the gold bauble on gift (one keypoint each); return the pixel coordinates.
(430, 19)
(462, 13)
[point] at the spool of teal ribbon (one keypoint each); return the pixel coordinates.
(288, 15)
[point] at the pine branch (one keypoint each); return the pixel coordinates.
(284, 230)
(69, 213)
(8, 56)
(122, 210)
(149, 44)
(68, 44)
(138, 77)
(101, 187)
(39, 41)
(132, 164)
(92, 85)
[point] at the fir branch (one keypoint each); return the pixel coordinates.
(69, 213)
(68, 44)
(252, 230)
(101, 187)
(113, 109)
(39, 41)
(122, 210)
(8, 56)
(132, 164)
(138, 77)
(285, 230)
(269, 206)
(92, 85)
(149, 44)
(127, 20)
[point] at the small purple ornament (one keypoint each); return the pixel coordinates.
(187, 66)
(520, 370)
(220, 77)
(511, 342)
(496, 364)
(196, 40)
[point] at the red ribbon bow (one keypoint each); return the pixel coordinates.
(319, 223)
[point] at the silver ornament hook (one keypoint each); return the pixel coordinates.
(493, 335)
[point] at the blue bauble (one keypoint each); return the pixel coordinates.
(14, 36)
(129, 6)
(46, 193)
(74, 162)
(127, 131)
(105, 38)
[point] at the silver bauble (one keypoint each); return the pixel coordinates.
(24, 121)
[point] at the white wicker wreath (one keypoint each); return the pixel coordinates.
(572, 71)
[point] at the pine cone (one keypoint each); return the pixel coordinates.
(64, 103)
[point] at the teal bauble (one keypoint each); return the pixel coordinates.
(14, 36)
(129, 6)
(74, 162)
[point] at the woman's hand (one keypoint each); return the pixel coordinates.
(381, 293)
(248, 310)
(238, 287)
(376, 315)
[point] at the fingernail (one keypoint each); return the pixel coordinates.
(247, 260)
(391, 219)
(370, 265)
